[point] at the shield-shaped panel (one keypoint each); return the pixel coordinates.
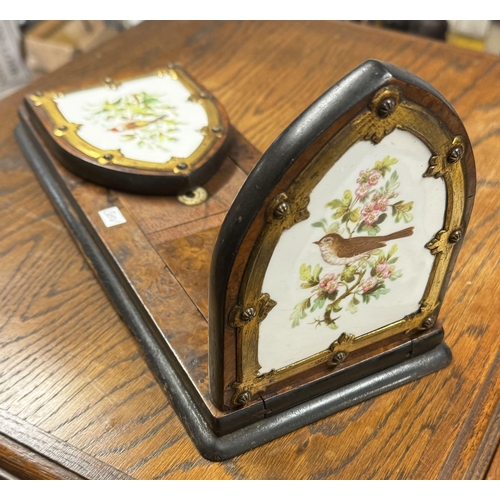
(156, 134)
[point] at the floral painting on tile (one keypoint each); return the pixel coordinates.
(144, 118)
(357, 265)
(149, 119)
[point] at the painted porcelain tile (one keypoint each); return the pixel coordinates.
(358, 262)
(148, 119)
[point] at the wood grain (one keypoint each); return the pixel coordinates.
(22, 463)
(30, 453)
(70, 368)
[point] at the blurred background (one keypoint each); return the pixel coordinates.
(29, 49)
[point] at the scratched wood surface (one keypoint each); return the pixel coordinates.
(69, 367)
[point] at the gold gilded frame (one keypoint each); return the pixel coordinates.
(387, 111)
(63, 129)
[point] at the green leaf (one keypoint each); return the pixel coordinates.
(401, 210)
(352, 305)
(340, 213)
(373, 230)
(299, 312)
(392, 251)
(348, 274)
(333, 228)
(321, 224)
(331, 296)
(307, 284)
(346, 200)
(354, 215)
(318, 303)
(334, 204)
(305, 272)
(396, 274)
(407, 217)
(317, 272)
(384, 166)
(379, 292)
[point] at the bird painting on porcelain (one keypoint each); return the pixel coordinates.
(356, 262)
(147, 119)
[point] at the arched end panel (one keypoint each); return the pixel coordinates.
(343, 237)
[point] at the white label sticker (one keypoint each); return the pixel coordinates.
(112, 216)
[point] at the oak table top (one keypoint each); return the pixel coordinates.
(77, 399)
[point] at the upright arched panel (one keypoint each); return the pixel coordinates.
(339, 246)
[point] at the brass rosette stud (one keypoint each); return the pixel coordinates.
(386, 101)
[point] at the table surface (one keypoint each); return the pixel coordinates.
(76, 396)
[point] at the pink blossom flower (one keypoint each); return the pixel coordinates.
(369, 207)
(329, 283)
(362, 190)
(370, 214)
(367, 285)
(381, 203)
(363, 177)
(374, 177)
(384, 270)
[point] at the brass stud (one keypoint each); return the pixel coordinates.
(39, 93)
(217, 129)
(456, 236)
(455, 154)
(203, 95)
(428, 322)
(282, 210)
(62, 128)
(386, 107)
(243, 398)
(338, 358)
(194, 197)
(248, 314)
(182, 166)
(108, 156)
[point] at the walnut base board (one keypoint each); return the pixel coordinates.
(285, 414)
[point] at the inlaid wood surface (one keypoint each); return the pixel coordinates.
(71, 369)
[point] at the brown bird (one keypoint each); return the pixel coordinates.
(135, 124)
(339, 251)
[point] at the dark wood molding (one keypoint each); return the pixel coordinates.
(27, 452)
